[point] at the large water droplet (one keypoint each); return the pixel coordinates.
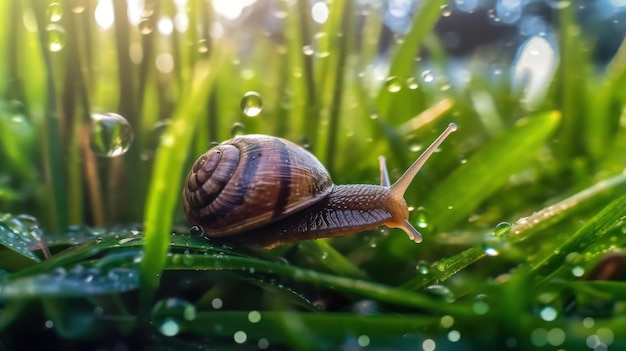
(56, 37)
(169, 327)
(494, 245)
(146, 26)
(427, 76)
(111, 135)
(422, 218)
(175, 308)
(55, 12)
(251, 104)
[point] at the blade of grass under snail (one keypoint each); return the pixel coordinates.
(166, 180)
(454, 198)
(326, 255)
(375, 291)
(56, 188)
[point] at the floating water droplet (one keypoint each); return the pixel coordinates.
(56, 37)
(237, 129)
(55, 12)
(440, 292)
(421, 218)
(502, 229)
(446, 11)
(217, 303)
(111, 135)
(251, 104)
(145, 26)
(393, 85)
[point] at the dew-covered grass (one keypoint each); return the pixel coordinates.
(105, 105)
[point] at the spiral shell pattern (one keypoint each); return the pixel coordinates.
(250, 181)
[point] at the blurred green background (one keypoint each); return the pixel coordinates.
(104, 106)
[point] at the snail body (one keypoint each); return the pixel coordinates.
(266, 191)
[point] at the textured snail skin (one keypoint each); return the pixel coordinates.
(348, 209)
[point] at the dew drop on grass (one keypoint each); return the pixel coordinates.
(480, 306)
(203, 46)
(502, 229)
(422, 268)
(111, 135)
(393, 85)
(55, 12)
(411, 83)
(440, 292)
(307, 50)
(251, 104)
(237, 129)
(56, 37)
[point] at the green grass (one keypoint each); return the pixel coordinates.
(522, 210)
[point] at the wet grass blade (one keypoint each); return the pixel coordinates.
(166, 181)
(486, 171)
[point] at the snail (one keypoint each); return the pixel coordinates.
(264, 191)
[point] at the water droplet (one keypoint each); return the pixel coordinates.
(363, 341)
(111, 135)
(307, 50)
(169, 327)
(578, 271)
(481, 304)
(421, 218)
(454, 336)
(446, 321)
(251, 104)
(174, 308)
(203, 46)
(494, 245)
(548, 313)
(393, 85)
(145, 26)
(217, 303)
(502, 229)
(254, 316)
(446, 11)
(411, 83)
(78, 8)
(56, 37)
(440, 292)
(427, 76)
(196, 230)
(237, 129)
(366, 307)
(240, 337)
(263, 344)
(423, 268)
(55, 12)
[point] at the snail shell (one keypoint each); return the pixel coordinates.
(266, 191)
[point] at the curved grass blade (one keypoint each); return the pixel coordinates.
(166, 181)
(595, 230)
(363, 288)
(486, 171)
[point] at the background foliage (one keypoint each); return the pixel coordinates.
(105, 105)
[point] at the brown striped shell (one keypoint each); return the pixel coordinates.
(250, 181)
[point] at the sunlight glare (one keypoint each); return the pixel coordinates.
(104, 14)
(231, 9)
